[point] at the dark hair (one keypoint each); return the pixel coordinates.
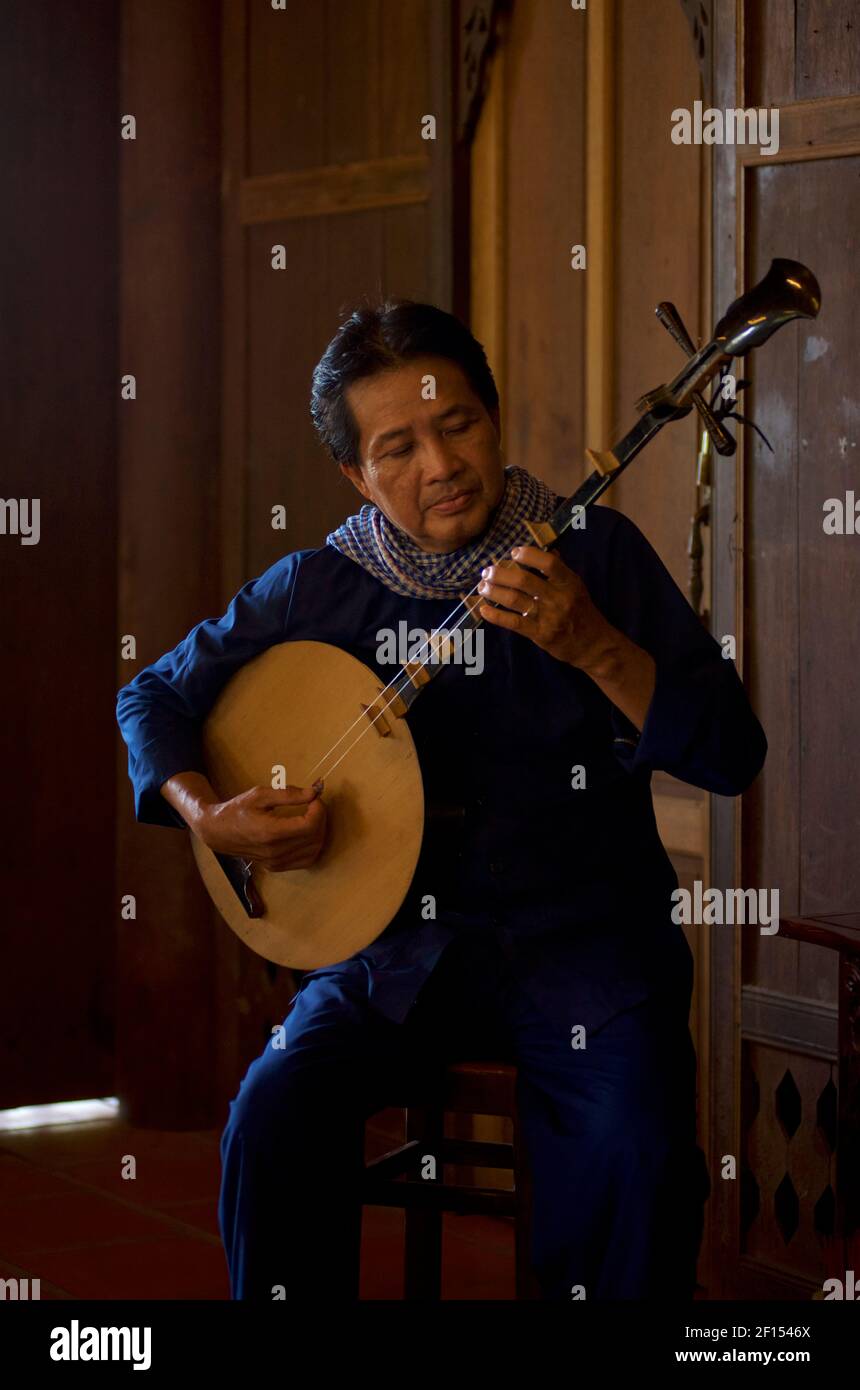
(376, 338)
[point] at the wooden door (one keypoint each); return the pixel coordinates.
(790, 593)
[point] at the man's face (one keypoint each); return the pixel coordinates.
(434, 467)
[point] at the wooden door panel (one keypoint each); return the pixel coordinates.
(788, 1183)
(371, 59)
(803, 816)
(791, 593)
(800, 50)
(291, 314)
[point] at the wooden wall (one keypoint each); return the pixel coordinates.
(59, 152)
(651, 244)
(544, 348)
(325, 158)
(659, 254)
(169, 1033)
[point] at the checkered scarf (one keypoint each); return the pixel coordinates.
(392, 557)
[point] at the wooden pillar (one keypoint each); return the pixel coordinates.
(168, 470)
(600, 126)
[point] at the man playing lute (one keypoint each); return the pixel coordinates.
(539, 931)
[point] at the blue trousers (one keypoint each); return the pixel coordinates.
(619, 1182)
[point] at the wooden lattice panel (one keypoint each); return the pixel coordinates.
(788, 1169)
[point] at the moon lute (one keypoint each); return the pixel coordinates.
(281, 710)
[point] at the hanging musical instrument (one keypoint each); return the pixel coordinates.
(319, 713)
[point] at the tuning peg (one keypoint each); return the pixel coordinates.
(674, 324)
(719, 435)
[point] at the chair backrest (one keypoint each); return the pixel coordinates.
(481, 1088)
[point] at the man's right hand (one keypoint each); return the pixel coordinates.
(259, 824)
(254, 826)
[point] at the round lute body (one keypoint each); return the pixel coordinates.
(287, 708)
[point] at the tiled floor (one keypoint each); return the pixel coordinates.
(68, 1218)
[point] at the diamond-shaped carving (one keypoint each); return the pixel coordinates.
(788, 1105)
(824, 1213)
(750, 1199)
(825, 1113)
(786, 1208)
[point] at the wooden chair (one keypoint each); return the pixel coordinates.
(394, 1179)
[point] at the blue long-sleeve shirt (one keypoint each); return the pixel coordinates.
(573, 881)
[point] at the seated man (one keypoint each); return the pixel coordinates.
(552, 943)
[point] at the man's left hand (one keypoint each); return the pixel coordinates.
(552, 607)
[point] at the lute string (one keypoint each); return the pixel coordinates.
(406, 682)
